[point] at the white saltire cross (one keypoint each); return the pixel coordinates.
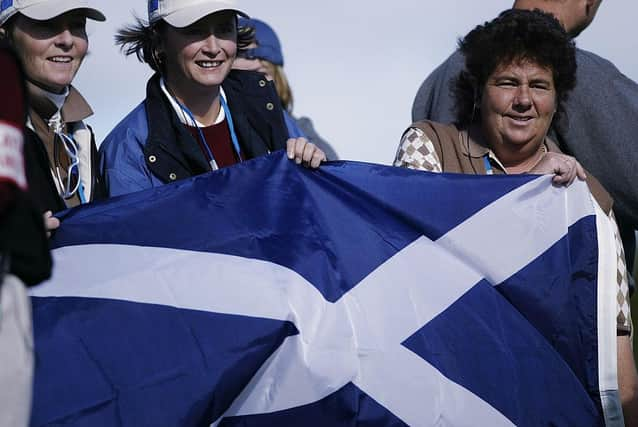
(358, 338)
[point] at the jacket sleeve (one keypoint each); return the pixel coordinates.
(122, 164)
(23, 238)
(434, 100)
(291, 125)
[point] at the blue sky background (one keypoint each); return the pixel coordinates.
(354, 65)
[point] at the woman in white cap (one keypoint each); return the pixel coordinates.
(60, 153)
(198, 115)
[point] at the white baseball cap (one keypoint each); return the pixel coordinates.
(182, 13)
(42, 10)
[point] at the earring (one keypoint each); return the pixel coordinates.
(157, 59)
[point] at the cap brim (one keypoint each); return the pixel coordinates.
(50, 9)
(191, 14)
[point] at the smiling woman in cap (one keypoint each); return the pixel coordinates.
(60, 153)
(198, 115)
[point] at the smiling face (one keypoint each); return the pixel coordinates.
(517, 108)
(51, 51)
(201, 55)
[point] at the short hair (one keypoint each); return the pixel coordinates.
(515, 35)
(144, 40)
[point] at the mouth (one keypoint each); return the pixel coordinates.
(209, 64)
(520, 119)
(60, 59)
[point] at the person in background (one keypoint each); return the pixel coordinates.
(198, 115)
(265, 56)
(24, 253)
(519, 70)
(60, 152)
(599, 126)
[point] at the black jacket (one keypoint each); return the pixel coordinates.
(41, 186)
(257, 116)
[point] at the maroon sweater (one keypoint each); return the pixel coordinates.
(12, 117)
(218, 139)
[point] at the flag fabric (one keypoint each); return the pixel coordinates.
(268, 294)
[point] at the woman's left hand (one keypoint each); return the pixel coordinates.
(304, 152)
(564, 168)
(51, 223)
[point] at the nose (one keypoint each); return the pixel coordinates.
(211, 46)
(523, 99)
(64, 39)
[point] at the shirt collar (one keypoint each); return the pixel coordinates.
(183, 116)
(473, 145)
(58, 99)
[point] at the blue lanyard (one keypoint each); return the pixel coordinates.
(488, 165)
(231, 128)
(83, 200)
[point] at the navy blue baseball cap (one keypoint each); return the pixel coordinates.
(268, 45)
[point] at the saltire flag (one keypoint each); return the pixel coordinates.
(267, 294)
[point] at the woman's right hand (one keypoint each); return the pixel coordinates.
(564, 168)
(51, 223)
(301, 151)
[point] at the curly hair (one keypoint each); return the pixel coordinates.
(515, 35)
(144, 41)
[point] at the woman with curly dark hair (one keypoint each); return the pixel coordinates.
(198, 115)
(520, 68)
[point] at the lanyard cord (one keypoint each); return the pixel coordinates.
(488, 165)
(231, 128)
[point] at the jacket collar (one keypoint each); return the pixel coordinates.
(168, 134)
(74, 109)
(472, 143)
(181, 114)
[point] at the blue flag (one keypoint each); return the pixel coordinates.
(268, 294)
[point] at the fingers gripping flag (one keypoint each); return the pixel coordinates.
(267, 294)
